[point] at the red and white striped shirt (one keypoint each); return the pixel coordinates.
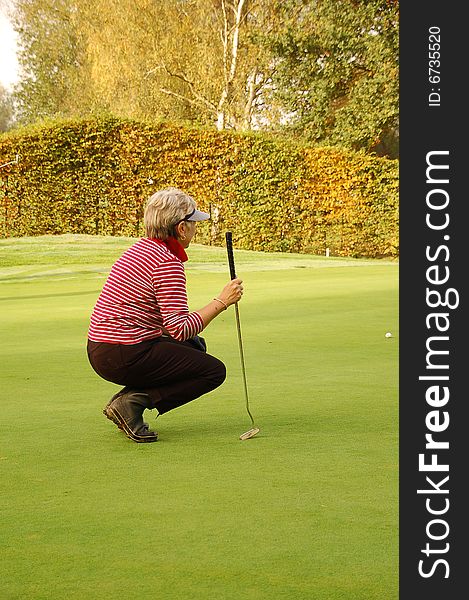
(145, 291)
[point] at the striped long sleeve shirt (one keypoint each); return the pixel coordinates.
(145, 291)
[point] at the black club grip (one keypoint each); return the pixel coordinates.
(229, 251)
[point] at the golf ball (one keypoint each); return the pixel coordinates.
(388, 334)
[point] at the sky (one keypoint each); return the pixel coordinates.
(8, 62)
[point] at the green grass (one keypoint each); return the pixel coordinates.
(306, 510)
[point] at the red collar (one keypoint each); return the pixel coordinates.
(174, 247)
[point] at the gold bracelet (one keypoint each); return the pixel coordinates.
(221, 302)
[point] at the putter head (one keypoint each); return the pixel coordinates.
(249, 434)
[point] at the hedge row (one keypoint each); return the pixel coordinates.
(94, 176)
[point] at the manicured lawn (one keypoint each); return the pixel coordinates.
(306, 510)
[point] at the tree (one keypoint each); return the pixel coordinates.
(6, 109)
(337, 71)
(126, 40)
(323, 70)
(189, 60)
(51, 58)
(192, 60)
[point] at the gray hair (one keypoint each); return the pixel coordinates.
(164, 209)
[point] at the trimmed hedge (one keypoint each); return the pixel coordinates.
(94, 176)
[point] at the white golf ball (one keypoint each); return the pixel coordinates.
(388, 334)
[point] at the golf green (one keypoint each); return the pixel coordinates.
(308, 509)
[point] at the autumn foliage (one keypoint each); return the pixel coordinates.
(94, 176)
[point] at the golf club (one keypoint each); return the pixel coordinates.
(229, 249)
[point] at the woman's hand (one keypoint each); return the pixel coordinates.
(229, 295)
(232, 292)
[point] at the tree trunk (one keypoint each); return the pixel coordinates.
(230, 39)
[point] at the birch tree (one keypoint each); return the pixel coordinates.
(224, 73)
(191, 61)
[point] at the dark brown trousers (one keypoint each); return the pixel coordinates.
(172, 373)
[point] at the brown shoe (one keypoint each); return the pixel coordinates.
(125, 409)
(107, 413)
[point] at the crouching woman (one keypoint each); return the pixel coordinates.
(142, 335)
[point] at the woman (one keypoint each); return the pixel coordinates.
(142, 335)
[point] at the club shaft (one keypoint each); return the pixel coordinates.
(243, 367)
(231, 263)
